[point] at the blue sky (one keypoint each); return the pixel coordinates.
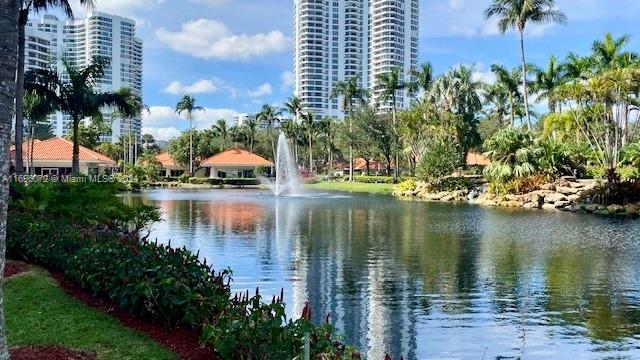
(235, 55)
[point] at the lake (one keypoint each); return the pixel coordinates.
(428, 281)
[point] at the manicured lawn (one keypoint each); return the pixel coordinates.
(38, 312)
(382, 189)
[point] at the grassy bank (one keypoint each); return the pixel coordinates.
(39, 312)
(344, 186)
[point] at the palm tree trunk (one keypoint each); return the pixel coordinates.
(273, 145)
(22, 22)
(524, 80)
(75, 157)
(396, 170)
(350, 148)
(310, 154)
(8, 62)
(513, 112)
(32, 168)
(190, 145)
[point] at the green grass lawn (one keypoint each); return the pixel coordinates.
(381, 189)
(39, 312)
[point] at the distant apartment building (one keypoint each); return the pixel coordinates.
(50, 40)
(335, 40)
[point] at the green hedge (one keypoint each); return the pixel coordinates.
(377, 179)
(93, 238)
(205, 181)
(241, 182)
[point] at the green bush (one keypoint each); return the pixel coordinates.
(451, 183)
(407, 185)
(442, 159)
(184, 178)
(152, 280)
(241, 182)
(375, 179)
(205, 181)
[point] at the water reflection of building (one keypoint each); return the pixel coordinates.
(233, 216)
(352, 274)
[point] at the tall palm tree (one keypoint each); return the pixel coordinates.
(351, 93)
(547, 80)
(26, 6)
(388, 85)
(326, 128)
(497, 98)
(609, 53)
(269, 116)
(188, 105)
(222, 130)
(422, 78)
(516, 14)
(294, 107)
(77, 96)
(250, 130)
(509, 81)
(308, 122)
(8, 64)
(577, 68)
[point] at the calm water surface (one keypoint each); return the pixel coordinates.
(427, 281)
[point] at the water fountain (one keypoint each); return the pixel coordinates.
(286, 181)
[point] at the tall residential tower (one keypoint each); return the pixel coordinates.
(50, 40)
(335, 40)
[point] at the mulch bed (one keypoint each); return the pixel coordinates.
(13, 267)
(184, 342)
(48, 353)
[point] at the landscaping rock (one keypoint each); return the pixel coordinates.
(561, 204)
(447, 198)
(531, 205)
(548, 207)
(510, 204)
(631, 210)
(591, 208)
(573, 198)
(567, 190)
(602, 212)
(548, 187)
(615, 209)
(554, 197)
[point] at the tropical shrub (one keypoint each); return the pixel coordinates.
(631, 155)
(151, 280)
(451, 183)
(407, 185)
(241, 182)
(442, 159)
(556, 158)
(375, 179)
(205, 181)
(512, 153)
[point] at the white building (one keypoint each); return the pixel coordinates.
(335, 40)
(77, 41)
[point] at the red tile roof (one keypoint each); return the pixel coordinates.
(59, 149)
(165, 159)
(236, 157)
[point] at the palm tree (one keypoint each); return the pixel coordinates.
(516, 14)
(294, 107)
(221, 130)
(147, 140)
(423, 78)
(509, 81)
(269, 116)
(188, 104)
(577, 68)
(547, 80)
(326, 128)
(497, 98)
(609, 53)
(250, 130)
(388, 84)
(26, 6)
(8, 64)
(351, 92)
(308, 122)
(77, 96)
(36, 110)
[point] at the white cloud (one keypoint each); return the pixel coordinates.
(164, 134)
(210, 39)
(198, 87)
(262, 90)
(119, 7)
(164, 124)
(287, 80)
(483, 73)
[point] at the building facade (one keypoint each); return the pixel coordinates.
(335, 40)
(77, 42)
